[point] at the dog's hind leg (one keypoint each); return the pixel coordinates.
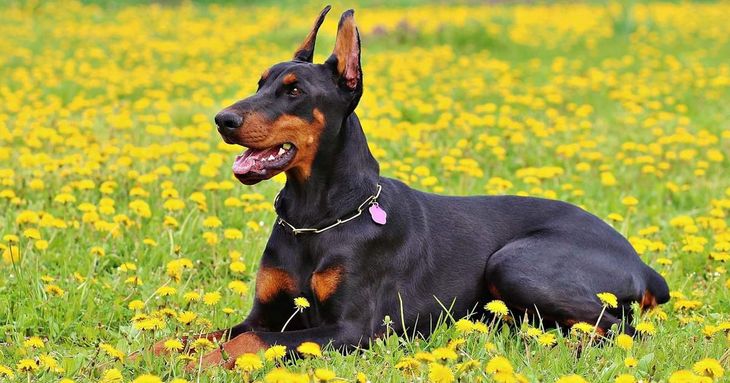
(533, 277)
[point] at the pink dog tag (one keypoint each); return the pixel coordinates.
(378, 214)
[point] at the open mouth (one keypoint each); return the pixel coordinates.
(254, 165)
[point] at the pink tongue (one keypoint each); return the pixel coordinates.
(251, 160)
(243, 164)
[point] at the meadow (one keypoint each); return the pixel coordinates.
(121, 223)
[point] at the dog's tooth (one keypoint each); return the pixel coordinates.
(271, 157)
(281, 151)
(286, 146)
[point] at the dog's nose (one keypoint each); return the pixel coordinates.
(227, 120)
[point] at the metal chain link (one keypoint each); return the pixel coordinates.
(373, 199)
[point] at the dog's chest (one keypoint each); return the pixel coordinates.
(286, 283)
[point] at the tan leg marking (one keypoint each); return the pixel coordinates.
(271, 281)
(325, 282)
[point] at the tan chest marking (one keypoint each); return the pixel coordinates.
(325, 282)
(271, 281)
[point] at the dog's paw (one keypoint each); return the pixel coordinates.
(242, 344)
(211, 359)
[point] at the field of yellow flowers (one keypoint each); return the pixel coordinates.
(121, 224)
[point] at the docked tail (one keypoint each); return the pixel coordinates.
(657, 290)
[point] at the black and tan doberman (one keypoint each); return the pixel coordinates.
(360, 246)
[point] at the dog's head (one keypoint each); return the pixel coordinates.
(298, 107)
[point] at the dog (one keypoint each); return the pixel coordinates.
(361, 247)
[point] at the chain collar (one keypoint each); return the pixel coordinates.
(373, 199)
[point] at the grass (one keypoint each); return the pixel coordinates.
(107, 110)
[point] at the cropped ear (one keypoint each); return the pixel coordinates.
(347, 52)
(305, 52)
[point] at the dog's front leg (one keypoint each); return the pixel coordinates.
(337, 335)
(215, 337)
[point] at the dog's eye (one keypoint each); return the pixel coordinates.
(294, 92)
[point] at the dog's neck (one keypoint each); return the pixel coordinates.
(344, 174)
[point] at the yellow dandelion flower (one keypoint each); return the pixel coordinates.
(456, 343)
(361, 378)
(464, 326)
(237, 267)
(686, 376)
(310, 349)
(629, 201)
(238, 287)
(608, 299)
(582, 327)
(174, 204)
(532, 332)
(547, 339)
(202, 344)
(709, 367)
(249, 362)
(11, 255)
(41, 245)
(253, 226)
(624, 342)
(111, 376)
(615, 217)
(444, 353)
(497, 307)
(425, 356)
(499, 364)
(281, 375)
(127, 266)
(686, 304)
(301, 303)
(409, 364)
(646, 328)
(32, 233)
(212, 298)
(480, 327)
(136, 305)
(149, 242)
(191, 296)
(276, 352)
(64, 198)
(234, 255)
(170, 222)
(11, 238)
(212, 222)
(140, 208)
(166, 291)
(149, 324)
(26, 365)
(232, 234)
(210, 238)
(111, 351)
(469, 365)
(571, 379)
(147, 378)
(324, 375)
(6, 371)
(33, 342)
(438, 373)
(173, 345)
(630, 362)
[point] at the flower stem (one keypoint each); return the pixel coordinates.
(289, 320)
